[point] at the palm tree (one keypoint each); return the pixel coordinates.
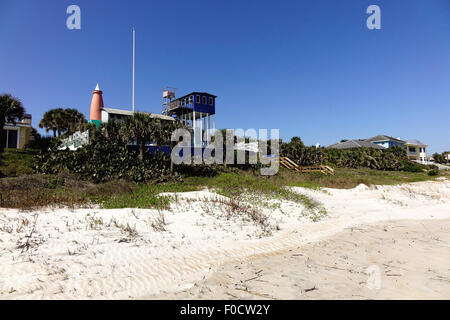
(49, 121)
(11, 109)
(139, 127)
(110, 131)
(73, 120)
(62, 121)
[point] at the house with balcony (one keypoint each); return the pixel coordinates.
(416, 150)
(16, 136)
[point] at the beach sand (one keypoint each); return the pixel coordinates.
(407, 259)
(132, 254)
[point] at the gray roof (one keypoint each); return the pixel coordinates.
(382, 137)
(130, 113)
(350, 144)
(415, 142)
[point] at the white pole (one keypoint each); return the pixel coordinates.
(134, 61)
(193, 124)
(209, 127)
(201, 129)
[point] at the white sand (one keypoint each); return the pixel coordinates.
(403, 259)
(88, 253)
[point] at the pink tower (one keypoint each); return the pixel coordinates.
(96, 106)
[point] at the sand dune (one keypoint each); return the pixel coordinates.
(122, 254)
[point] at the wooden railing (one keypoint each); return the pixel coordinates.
(289, 164)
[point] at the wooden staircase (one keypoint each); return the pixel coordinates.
(289, 164)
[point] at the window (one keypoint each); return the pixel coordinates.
(412, 149)
(197, 99)
(191, 99)
(210, 101)
(203, 100)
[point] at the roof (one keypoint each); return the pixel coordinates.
(350, 144)
(382, 137)
(195, 92)
(415, 142)
(130, 113)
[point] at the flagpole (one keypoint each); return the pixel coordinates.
(134, 61)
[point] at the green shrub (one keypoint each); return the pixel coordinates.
(433, 173)
(41, 143)
(410, 166)
(100, 162)
(392, 159)
(303, 156)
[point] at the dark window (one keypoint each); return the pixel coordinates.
(12, 139)
(197, 99)
(203, 100)
(191, 99)
(211, 101)
(411, 149)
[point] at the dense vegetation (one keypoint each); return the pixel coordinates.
(100, 162)
(392, 159)
(441, 158)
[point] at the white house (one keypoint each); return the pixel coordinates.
(416, 150)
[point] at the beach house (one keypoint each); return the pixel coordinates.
(16, 136)
(416, 150)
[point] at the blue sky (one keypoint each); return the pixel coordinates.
(310, 68)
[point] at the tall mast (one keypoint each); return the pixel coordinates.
(134, 61)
